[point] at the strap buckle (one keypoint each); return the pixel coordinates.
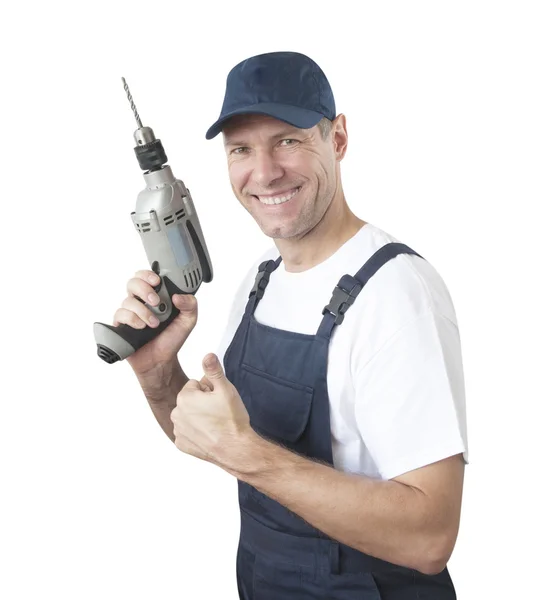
(261, 281)
(340, 302)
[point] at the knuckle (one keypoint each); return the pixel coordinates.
(136, 322)
(120, 316)
(127, 303)
(127, 315)
(135, 287)
(144, 274)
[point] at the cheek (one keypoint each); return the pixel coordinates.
(238, 176)
(309, 167)
(325, 179)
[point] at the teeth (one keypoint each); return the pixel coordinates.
(278, 199)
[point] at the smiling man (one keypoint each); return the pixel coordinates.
(338, 401)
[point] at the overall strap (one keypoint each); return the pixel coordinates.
(348, 288)
(261, 281)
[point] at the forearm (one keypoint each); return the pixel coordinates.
(386, 519)
(161, 388)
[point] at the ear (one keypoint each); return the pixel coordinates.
(339, 136)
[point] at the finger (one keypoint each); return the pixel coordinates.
(206, 385)
(148, 275)
(141, 288)
(185, 302)
(192, 384)
(133, 305)
(213, 369)
(128, 317)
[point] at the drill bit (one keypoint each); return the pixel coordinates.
(133, 107)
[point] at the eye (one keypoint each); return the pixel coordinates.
(239, 150)
(290, 141)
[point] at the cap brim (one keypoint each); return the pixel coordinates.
(293, 115)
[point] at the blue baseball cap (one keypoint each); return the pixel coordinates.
(288, 86)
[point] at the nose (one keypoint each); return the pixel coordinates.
(266, 169)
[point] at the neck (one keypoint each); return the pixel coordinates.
(336, 227)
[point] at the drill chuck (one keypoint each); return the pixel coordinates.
(151, 156)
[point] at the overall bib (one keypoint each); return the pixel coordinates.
(282, 379)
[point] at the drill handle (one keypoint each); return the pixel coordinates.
(115, 343)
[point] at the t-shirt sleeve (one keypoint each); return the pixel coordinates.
(410, 397)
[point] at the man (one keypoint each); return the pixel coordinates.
(338, 399)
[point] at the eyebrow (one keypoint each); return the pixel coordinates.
(284, 133)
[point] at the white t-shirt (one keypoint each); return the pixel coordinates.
(395, 375)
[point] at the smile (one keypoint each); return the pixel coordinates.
(280, 198)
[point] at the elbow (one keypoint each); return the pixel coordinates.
(432, 567)
(435, 554)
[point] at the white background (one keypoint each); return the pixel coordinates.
(446, 110)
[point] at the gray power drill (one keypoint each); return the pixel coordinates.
(169, 227)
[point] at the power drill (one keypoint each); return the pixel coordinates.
(168, 224)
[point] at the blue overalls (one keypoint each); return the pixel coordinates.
(282, 379)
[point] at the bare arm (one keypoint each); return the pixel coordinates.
(411, 520)
(161, 386)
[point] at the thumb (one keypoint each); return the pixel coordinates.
(187, 318)
(213, 369)
(185, 302)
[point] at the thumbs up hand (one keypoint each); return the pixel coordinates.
(210, 420)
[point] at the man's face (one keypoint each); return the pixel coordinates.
(283, 176)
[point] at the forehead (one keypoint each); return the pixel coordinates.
(256, 125)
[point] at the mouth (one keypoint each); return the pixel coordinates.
(279, 198)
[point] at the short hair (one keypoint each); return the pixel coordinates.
(325, 126)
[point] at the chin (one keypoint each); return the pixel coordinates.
(283, 232)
